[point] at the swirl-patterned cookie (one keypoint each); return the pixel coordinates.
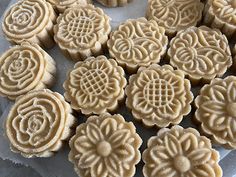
(201, 53)
(24, 68)
(216, 111)
(181, 153)
(95, 85)
(137, 43)
(159, 95)
(38, 123)
(175, 15)
(82, 31)
(30, 20)
(105, 145)
(114, 3)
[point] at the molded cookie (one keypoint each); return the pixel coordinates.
(105, 145)
(114, 3)
(38, 122)
(159, 95)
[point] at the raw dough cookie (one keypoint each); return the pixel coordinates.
(105, 146)
(30, 20)
(175, 15)
(23, 68)
(159, 95)
(38, 123)
(202, 53)
(137, 43)
(82, 31)
(216, 111)
(95, 85)
(181, 153)
(114, 3)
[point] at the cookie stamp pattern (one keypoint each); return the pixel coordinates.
(82, 31)
(180, 152)
(114, 3)
(201, 53)
(175, 15)
(138, 43)
(105, 146)
(29, 20)
(38, 123)
(95, 85)
(24, 68)
(159, 95)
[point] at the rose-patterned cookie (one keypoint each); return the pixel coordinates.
(159, 95)
(114, 3)
(38, 123)
(105, 145)
(175, 15)
(95, 85)
(201, 53)
(180, 152)
(82, 31)
(24, 68)
(30, 20)
(138, 42)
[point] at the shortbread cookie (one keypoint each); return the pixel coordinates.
(137, 43)
(105, 145)
(221, 14)
(82, 31)
(30, 20)
(201, 53)
(175, 15)
(159, 95)
(180, 152)
(23, 68)
(216, 111)
(95, 85)
(38, 123)
(114, 3)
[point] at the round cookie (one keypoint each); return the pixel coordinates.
(114, 3)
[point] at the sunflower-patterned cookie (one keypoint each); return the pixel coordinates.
(114, 3)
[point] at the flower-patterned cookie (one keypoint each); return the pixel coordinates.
(181, 153)
(175, 15)
(105, 145)
(137, 43)
(24, 68)
(30, 20)
(114, 3)
(201, 53)
(216, 111)
(38, 123)
(159, 95)
(82, 31)
(95, 85)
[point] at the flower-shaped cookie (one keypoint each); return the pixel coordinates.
(23, 68)
(175, 15)
(201, 53)
(82, 31)
(95, 85)
(181, 153)
(114, 3)
(105, 146)
(216, 111)
(159, 95)
(30, 20)
(38, 123)
(221, 14)
(137, 43)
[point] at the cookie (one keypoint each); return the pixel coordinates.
(159, 96)
(105, 145)
(30, 20)
(136, 43)
(38, 123)
(82, 31)
(114, 3)
(24, 68)
(180, 152)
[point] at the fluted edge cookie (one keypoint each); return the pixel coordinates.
(114, 3)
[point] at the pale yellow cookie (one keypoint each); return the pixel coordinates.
(180, 152)
(114, 3)
(38, 123)
(30, 20)
(24, 68)
(105, 145)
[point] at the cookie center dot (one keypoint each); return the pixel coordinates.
(231, 109)
(182, 164)
(104, 148)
